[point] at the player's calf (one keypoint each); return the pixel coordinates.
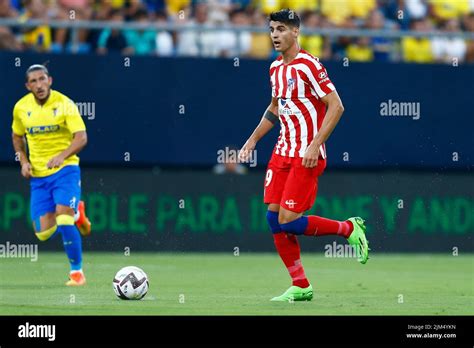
(317, 226)
(352, 229)
(289, 250)
(72, 241)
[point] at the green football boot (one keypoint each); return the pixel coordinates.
(295, 293)
(358, 240)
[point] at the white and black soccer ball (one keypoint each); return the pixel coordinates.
(130, 283)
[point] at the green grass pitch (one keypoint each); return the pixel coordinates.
(224, 284)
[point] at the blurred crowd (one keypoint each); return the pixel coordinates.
(396, 15)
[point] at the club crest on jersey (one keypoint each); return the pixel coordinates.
(291, 84)
(29, 113)
(55, 111)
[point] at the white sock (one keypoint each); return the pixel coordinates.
(78, 270)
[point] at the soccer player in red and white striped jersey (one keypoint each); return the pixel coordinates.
(308, 108)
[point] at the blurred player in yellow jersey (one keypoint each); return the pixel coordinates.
(55, 133)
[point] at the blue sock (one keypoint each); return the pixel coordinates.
(297, 226)
(272, 218)
(72, 244)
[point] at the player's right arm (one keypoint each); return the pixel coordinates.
(19, 144)
(269, 118)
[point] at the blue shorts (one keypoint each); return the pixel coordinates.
(62, 187)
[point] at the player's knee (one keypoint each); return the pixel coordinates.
(295, 225)
(284, 218)
(272, 219)
(63, 210)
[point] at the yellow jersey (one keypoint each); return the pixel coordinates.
(450, 9)
(313, 44)
(48, 129)
(362, 8)
(337, 11)
(417, 50)
(39, 38)
(174, 6)
(268, 6)
(359, 53)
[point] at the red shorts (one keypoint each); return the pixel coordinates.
(290, 185)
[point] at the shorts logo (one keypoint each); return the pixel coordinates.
(72, 202)
(290, 203)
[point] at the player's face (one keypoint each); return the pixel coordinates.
(39, 83)
(283, 36)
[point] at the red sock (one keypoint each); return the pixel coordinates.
(289, 249)
(319, 226)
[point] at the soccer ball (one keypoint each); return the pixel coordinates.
(130, 283)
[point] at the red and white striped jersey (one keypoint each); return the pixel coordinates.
(299, 87)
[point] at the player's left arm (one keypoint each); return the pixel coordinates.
(79, 141)
(333, 115)
(76, 126)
